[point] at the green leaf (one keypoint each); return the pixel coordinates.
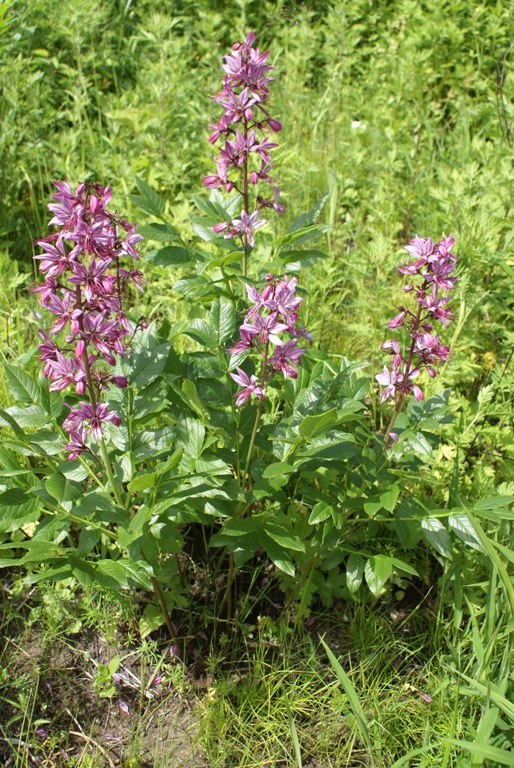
(302, 235)
(193, 400)
(22, 387)
(169, 256)
(140, 482)
(377, 570)
(276, 553)
(8, 421)
(223, 319)
(354, 572)
(436, 534)
(320, 512)
(311, 216)
(161, 233)
(297, 260)
(493, 502)
(126, 574)
(149, 200)
(283, 537)
(351, 694)
(63, 489)
(17, 509)
(151, 620)
(242, 526)
(277, 469)
(202, 331)
(463, 528)
(311, 426)
(497, 755)
(390, 497)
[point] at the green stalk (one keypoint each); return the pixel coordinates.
(257, 418)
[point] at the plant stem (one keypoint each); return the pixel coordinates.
(245, 200)
(165, 613)
(257, 418)
(400, 399)
(108, 470)
(230, 579)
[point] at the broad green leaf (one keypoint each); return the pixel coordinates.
(497, 755)
(140, 482)
(462, 527)
(88, 539)
(17, 509)
(494, 502)
(277, 469)
(277, 554)
(151, 620)
(436, 534)
(297, 260)
(311, 216)
(6, 420)
(390, 497)
(170, 256)
(283, 537)
(311, 426)
(223, 319)
(202, 331)
(354, 572)
(302, 235)
(161, 233)
(21, 386)
(63, 489)
(242, 526)
(377, 570)
(193, 400)
(320, 512)
(127, 574)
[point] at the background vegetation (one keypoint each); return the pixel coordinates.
(404, 114)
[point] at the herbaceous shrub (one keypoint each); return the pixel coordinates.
(126, 454)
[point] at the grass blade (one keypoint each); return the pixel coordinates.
(294, 735)
(501, 756)
(352, 696)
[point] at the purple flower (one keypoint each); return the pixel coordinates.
(250, 387)
(285, 358)
(123, 706)
(243, 127)
(90, 417)
(390, 380)
(433, 268)
(247, 225)
(265, 328)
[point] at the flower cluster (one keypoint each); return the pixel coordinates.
(83, 289)
(274, 311)
(433, 266)
(244, 126)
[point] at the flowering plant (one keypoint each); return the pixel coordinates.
(229, 422)
(434, 267)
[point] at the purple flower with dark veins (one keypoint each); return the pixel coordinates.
(91, 417)
(250, 387)
(286, 357)
(433, 268)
